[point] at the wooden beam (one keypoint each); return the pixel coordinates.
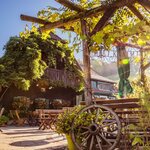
(71, 19)
(137, 13)
(57, 38)
(146, 66)
(145, 3)
(86, 63)
(39, 21)
(33, 19)
(87, 13)
(107, 15)
(70, 5)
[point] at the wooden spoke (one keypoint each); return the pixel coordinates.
(103, 137)
(92, 142)
(97, 114)
(85, 140)
(109, 124)
(84, 127)
(109, 133)
(98, 141)
(84, 133)
(105, 117)
(89, 111)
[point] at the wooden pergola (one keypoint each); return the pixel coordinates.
(108, 12)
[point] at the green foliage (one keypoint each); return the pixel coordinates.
(22, 104)
(64, 121)
(123, 26)
(84, 119)
(40, 103)
(3, 120)
(142, 91)
(27, 56)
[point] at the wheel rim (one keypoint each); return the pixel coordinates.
(101, 130)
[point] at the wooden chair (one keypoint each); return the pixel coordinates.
(48, 118)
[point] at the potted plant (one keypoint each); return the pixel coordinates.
(74, 120)
(3, 120)
(21, 106)
(64, 123)
(57, 103)
(40, 103)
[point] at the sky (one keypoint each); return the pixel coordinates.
(11, 24)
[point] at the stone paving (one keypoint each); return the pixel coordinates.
(30, 138)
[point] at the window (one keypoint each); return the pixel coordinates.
(94, 84)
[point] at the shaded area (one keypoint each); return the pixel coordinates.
(54, 148)
(29, 143)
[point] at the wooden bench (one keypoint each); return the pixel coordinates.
(129, 112)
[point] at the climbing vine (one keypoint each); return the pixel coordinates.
(28, 55)
(124, 26)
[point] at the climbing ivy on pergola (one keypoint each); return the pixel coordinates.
(98, 22)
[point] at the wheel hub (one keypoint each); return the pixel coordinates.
(93, 129)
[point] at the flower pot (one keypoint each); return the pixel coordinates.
(71, 145)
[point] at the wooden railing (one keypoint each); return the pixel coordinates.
(66, 77)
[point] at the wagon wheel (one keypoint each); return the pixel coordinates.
(96, 127)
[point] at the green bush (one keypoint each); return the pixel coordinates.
(3, 120)
(64, 121)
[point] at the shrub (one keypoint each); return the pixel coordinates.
(64, 121)
(3, 120)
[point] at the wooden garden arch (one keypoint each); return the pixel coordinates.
(108, 12)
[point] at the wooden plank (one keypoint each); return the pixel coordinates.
(102, 22)
(125, 106)
(114, 101)
(130, 111)
(85, 14)
(137, 13)
(70, 5)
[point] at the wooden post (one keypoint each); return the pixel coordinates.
(142, 67)
(86, 62)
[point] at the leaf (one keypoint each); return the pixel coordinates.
(137, 140)
(141, 42)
